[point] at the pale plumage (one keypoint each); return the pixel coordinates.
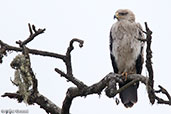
(126, 51)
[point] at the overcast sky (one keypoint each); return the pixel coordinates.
(89, 20)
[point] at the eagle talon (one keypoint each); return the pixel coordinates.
(124, 74)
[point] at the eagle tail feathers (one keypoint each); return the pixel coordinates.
(129, 95)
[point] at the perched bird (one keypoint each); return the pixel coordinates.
(126, 52)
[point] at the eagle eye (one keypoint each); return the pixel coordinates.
(123, 13)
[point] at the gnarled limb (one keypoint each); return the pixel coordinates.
(149, 67)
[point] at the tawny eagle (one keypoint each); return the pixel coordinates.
(126, 51)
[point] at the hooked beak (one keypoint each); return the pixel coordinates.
(116, 16)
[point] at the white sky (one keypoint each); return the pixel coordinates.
(89, 20)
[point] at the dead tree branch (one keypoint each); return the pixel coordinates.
(5, 48)
(109, 83)
(149, 67)
(160, 100)
(68, 75)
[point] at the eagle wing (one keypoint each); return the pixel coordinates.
(140, 59)
(114, 64)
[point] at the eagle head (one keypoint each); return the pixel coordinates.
(124, 14)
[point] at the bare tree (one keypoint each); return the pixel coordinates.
(27, 83)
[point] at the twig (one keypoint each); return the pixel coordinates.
(30, 29)
(68, 55)
(75, 81)
(13, 96)
(69, 75)
(32, 35)
(160, 100)
(71, 47)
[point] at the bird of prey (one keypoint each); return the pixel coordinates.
(126, 52)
